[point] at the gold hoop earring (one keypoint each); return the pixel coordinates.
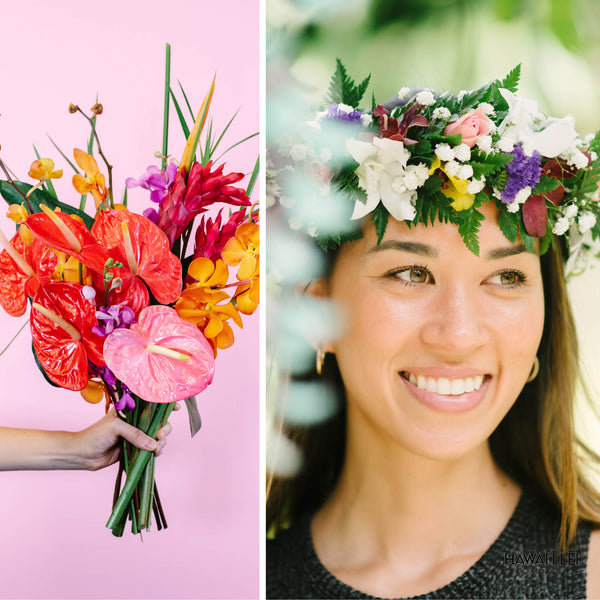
(534, 370)
(320, 360)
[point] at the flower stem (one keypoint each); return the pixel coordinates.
(138, 463)
(165, 142)
(108, 165)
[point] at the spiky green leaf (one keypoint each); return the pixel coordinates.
(511, 81)
(342, 88)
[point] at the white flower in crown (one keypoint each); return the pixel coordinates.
(384, 175)
(519, 126)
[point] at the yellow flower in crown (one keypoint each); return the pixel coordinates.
(43, 169)
(93, 182)
(453, 186)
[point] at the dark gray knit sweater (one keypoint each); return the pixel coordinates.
(522, 563)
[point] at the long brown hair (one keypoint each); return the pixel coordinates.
(535, 443)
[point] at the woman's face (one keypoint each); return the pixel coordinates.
(438, 342)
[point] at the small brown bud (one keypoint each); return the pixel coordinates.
(97, 108)
(73, 108)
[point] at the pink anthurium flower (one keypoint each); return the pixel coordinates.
(161, 358)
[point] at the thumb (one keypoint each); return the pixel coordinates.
(135, 436)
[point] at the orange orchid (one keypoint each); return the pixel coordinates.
(43, 169)
(202, 303)
(93, 182)
(18, 214)
(243, 250)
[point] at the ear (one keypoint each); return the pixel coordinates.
(318, 289)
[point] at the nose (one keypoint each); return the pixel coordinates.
(457, 321)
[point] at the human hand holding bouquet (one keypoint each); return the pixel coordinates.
(109, 313)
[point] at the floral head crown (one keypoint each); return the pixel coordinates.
(439, 158)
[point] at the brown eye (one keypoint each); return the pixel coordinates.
(418, 275)
(413, 275)
(508, 278)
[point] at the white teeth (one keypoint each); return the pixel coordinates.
(445, 386)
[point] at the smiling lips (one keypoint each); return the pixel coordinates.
(445, 386)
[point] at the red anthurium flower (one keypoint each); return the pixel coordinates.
(161, 358)
(190, 196)
(21, 276)
(69, 235)
(146, 255)
(61, 329)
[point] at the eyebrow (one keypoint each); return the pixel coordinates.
(414, 247)
(431, 252)
(498, 253)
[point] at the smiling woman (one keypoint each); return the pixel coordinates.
(452, 469)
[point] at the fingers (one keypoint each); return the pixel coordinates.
(138, 438)
(163, 432)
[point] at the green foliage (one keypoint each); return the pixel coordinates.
(508, 223)
(511, 81)
(435, 207)
(469, 224)
(546, 184)
(488, 164)
(343, 89)
(380, 219)
(12, 196)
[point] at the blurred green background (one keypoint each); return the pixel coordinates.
(443, 44)
(449, 45)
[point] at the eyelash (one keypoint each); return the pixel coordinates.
(521, 278)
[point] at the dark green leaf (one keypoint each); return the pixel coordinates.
(380, 219)
(40, 197)
(508, 223)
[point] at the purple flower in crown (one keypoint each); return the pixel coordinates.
(523, 172)
(115, 316)
(156, 180)
(343, 112)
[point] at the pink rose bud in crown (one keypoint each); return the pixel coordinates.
(471, 126)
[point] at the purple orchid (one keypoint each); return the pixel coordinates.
(523, 171)
(115, 316)
(156, 180)
(343, 112)
(126, 399)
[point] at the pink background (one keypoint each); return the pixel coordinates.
(53, 540)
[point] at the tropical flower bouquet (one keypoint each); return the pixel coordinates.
(123, 307)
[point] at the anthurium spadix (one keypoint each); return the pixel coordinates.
(161, 358)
